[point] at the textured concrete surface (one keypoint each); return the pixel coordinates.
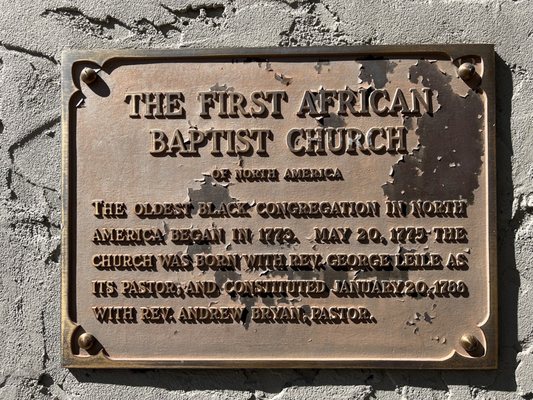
(32, 36)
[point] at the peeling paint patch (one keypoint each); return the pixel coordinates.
(268, 66)
(447, 162)
(210, 191)
(198, 248)
(221, 88)
(375, 71)
(320, 64)
(333, 121)
(286, 80)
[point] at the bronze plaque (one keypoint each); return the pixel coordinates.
(305, 207)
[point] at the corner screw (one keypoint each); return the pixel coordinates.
(86, 340)
(470, 343)
(467, 71)
(88, 75)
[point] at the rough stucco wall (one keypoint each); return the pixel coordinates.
(32, 36)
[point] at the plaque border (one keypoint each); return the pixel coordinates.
(70, 85)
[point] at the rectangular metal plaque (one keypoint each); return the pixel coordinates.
(305, 207)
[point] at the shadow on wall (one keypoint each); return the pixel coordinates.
(274, 381)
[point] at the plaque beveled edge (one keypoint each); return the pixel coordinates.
(69, 87)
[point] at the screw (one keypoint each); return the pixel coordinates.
(470, 343)
(88, 75)
(467, 71)
(86, 340)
